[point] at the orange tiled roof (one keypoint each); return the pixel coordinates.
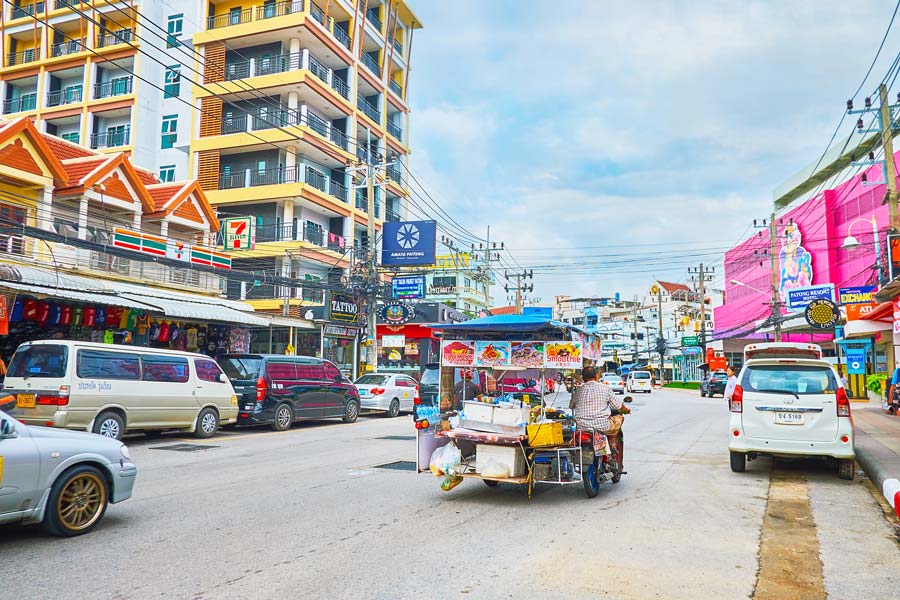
(674, 287)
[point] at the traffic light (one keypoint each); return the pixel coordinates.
(661, 345)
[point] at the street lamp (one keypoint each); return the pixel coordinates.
(742, 284)
(851, 242)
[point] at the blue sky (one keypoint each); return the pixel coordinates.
(653, 127)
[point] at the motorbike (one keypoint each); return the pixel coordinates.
(597, 468)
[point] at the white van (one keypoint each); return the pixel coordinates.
(110, 389)
(639, 381)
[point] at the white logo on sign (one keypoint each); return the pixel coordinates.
(408, 236)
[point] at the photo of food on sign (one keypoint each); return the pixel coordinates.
(492, 354)
(563, 355)
(457, 353)
(527, 354)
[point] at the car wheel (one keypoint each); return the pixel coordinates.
(284, 418)
(77, 502)
(702, 393)
(738, 462)
(207, 423)
(394, 410)
(846, 468)
(109, 424)
(351, 412)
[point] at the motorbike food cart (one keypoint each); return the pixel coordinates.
(467, 432)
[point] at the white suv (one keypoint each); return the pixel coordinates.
(639, 381)
(790, 407)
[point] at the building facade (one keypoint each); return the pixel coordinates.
(461, 281)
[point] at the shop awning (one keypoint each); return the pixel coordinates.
(865, 328)
(93, 298)
(199, 311)
(507, 324)
(882, 312)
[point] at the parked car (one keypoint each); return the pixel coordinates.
(389, 393)
(111, 389)
(639, 381)
(615, 382)
(279, 390)
(61, 479)
(790, 407)
(713, 383)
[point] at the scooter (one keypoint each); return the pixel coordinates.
(597, 469)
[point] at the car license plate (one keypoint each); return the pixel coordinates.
(24, 400)
(789, 418)
(363, 392)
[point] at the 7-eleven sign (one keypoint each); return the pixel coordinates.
(178, 251)
(240, 233)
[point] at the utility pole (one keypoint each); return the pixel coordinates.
(701, 275)
(520, 287)
(662, 365)
(772, 251)
(634, 320)
(887, 141)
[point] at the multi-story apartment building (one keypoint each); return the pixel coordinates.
(94, 71)
(294, 94)
(460, 280)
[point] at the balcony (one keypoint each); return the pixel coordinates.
(361, 202)
(316, 12)
(69, 95)
(316, 179)
(263, 66)
(116, 37)
(370, 111)
(66, 3)
(280, 175)
(339, 139)
(68, 47)
(27, 10)
(111, 139)
(371, 64)
(394, 130)
(372, 17)
(337, 190)
(343, 37)
(395, 87)
(23, 57)
(313, 235)
(340, 86)
(394, 174)
(278, 9)
(398, 47)
(236, 124)
(115, 87)
(392, 216)
(233, 17)
(20, 104)
(366, 156)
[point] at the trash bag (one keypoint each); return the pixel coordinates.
(494, 469)
(445, 460)
(450, 482)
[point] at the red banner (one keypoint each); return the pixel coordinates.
(6, 303)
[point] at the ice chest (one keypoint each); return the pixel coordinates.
(509, 456)
(498, 415)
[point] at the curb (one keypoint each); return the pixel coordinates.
(874, 457)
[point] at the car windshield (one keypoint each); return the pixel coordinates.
(791, 379)
(372, 380)
(642, 375)
(431, 377)
(41, 360)
(241, 367)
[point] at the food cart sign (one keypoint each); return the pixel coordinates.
(529, 355)
(563, 355)
(492, 354)
(457, 353)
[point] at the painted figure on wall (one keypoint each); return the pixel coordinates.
(795, 261)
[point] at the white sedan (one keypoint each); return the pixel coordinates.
(615, 382)
(387, 392)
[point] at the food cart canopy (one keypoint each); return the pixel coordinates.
(508, 324)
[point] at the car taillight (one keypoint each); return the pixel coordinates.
(584, 437)
(377, 391)
(737, 400)
(52, 400)
(417, 400)
(261, 389)
(843, 403)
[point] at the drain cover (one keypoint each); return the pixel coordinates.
(184, 447)
(397, 437)
(400, 465)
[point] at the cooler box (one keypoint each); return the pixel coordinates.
(510, 456)
(498, 415)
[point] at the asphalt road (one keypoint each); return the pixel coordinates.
(307, 514)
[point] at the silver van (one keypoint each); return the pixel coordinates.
(110, 389)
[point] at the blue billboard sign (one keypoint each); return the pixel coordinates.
(691, 350)
(542, 312)
(856, 361)
(408, 287)
(862, 294)
(409, 243)
(798, 298)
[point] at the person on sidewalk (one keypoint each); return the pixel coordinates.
(732, 383)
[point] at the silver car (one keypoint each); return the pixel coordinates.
(615, 382)
(61, 479)
(387, 392)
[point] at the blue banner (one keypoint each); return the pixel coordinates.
(691, 350)
(408, 287)
(863, 294)
(798, 298)
(856, 361)
(543, 312)
(407, 243)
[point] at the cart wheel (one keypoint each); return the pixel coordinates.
(490, 483)
(589, 479)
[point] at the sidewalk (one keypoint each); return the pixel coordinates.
(878, 449)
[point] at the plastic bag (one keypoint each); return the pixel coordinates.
(450, 482)
(445, 460)
(494, 469)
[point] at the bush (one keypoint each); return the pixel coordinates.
(876, 382)
(690, 385)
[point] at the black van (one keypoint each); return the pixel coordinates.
(277, 390)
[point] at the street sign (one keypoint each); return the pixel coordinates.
(690, 340)
(691, 350)
(863, 294)
(822, 314)
(408, 288)
(798, 298)
(409, 243)
(240, 233)
(543, 312)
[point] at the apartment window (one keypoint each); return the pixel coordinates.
(444, 282)
(234, 15)
(116, 136)
(173, 81)
(167, 173)
(175, 28)
(71, 136)
(169, 131)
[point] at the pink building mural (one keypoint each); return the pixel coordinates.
(810, 236)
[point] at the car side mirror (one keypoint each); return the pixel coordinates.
(223, 378)
(7, 428)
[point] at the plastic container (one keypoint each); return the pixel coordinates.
(548, 433)
(510, 456)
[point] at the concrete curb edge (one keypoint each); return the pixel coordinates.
(867, 455)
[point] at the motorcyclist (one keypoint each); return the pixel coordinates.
(592, 406)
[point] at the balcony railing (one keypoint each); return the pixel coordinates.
(234, 17)
(370, 111)
(23, 57)
(318, 69)
(398, 47)
(111, 139)
(115, 37)
(361, 202)
(394, 173)
(337, 190)
(27, 10)
(278, 175)
(313, 235)
(271, 10)
(394, 130)
(68, 95)
(316, 12)
(68, 47)
(263, 66)
(365, 155)
(316, 179)
(269, 118)
(318, 124)
(340, 138)
(343, 37)
(372, 17)
(340, 86)
(395, 87)
(115, 87)
(20, 104)
(237, 70)
(67, 3)
(236, 124)
(371, 64)
(392, 216)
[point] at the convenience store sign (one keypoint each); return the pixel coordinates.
(155, 245)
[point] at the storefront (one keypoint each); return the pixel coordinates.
(286, 335)
(406, 343)
(339, 322)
